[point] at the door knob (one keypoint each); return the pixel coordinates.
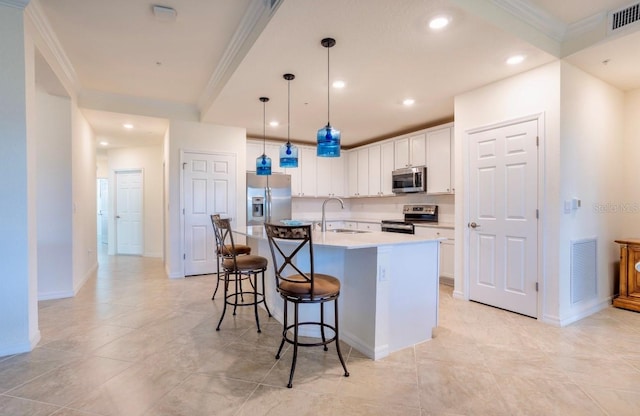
(473, 225)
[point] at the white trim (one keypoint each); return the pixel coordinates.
(41, 24)
(585, 25)
(535, 16)
(60, 294)
(251, 26)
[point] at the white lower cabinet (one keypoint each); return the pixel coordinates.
(369, 226)
(446, 248)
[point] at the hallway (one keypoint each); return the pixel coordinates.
(133, 342)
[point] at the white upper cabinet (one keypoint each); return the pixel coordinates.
(386, 167)
(330, 176)
(352, 173)
(303, 178)
(254, 150)
(363, 172)
(410, 151)
(375, 174)
(439, 164)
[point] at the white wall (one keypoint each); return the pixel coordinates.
(192, 136)
(592, 148)
(83, 156)
(149, 160)
(581, 150)
(18, 239)
(54, 206)
(534, 92)
(629, 201)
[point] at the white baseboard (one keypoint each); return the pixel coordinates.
(153, 254)
(60, 294)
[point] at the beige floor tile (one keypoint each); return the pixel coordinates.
(446, 387)
(269, 400)
(203, 394)
(616, 402)
(21, 368)
(534, 396)
(13, 406)
(132, 392)
(70, 381)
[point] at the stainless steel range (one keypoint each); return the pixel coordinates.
(412, 215)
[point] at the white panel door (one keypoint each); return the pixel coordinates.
(503, 199)
(129, 216)
(209, 188)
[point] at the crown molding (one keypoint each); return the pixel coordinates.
(18, 4)
(53, 46)
(252, 24)
(535, 16)
(586, 25)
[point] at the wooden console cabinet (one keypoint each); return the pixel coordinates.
(629, 297)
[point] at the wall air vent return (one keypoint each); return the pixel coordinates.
(584, 275)
(623, 17)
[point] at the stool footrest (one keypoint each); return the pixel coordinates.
(328, 340)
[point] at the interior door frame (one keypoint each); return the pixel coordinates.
(182, 191)
(540, 261)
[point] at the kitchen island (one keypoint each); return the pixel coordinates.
(389, 286)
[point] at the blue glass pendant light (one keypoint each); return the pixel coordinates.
(263, 162)
(288, 151)
(328, 138)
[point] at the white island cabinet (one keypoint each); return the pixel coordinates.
(389, 293)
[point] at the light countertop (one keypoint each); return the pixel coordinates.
(347, 240)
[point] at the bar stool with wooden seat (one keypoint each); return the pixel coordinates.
(239, 269)
(221, 251)
(302, 288)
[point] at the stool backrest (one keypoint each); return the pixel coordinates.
(284, 254)
(224, 237)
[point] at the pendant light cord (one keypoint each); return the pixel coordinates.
(289, 112)
(328, 88)
(264, 127)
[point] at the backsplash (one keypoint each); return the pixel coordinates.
(372, 208)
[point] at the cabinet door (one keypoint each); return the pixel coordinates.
(337, 176)
(330, 176)
(254, 150)
(273, 151)
(418, 150)
(401, 153)
(352, 173)
(446, 258)
(375, 177)
(386, 167)
(439, 161)
(307, 167)
(323, 176)
(363, 172)
(369, 226)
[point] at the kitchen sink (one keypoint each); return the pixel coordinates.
(347, 231)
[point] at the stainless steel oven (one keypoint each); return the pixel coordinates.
(422, 213)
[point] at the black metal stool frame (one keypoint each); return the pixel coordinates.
(223, 231)
(303, 235)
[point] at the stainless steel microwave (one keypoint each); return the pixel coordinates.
(408, 180)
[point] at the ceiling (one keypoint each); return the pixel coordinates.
(215, 58)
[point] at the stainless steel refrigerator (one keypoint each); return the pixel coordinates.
(268, 198)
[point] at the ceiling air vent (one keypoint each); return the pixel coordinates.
(624, 17)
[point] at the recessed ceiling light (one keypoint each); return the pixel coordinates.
(515, 59)
(104, 143)
(274, 123)
(338, 84)
(128, 126)
(438, 22)
(408, 102)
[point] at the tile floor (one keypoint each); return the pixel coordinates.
(133, 342)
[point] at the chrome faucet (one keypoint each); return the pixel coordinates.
(323, 225)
